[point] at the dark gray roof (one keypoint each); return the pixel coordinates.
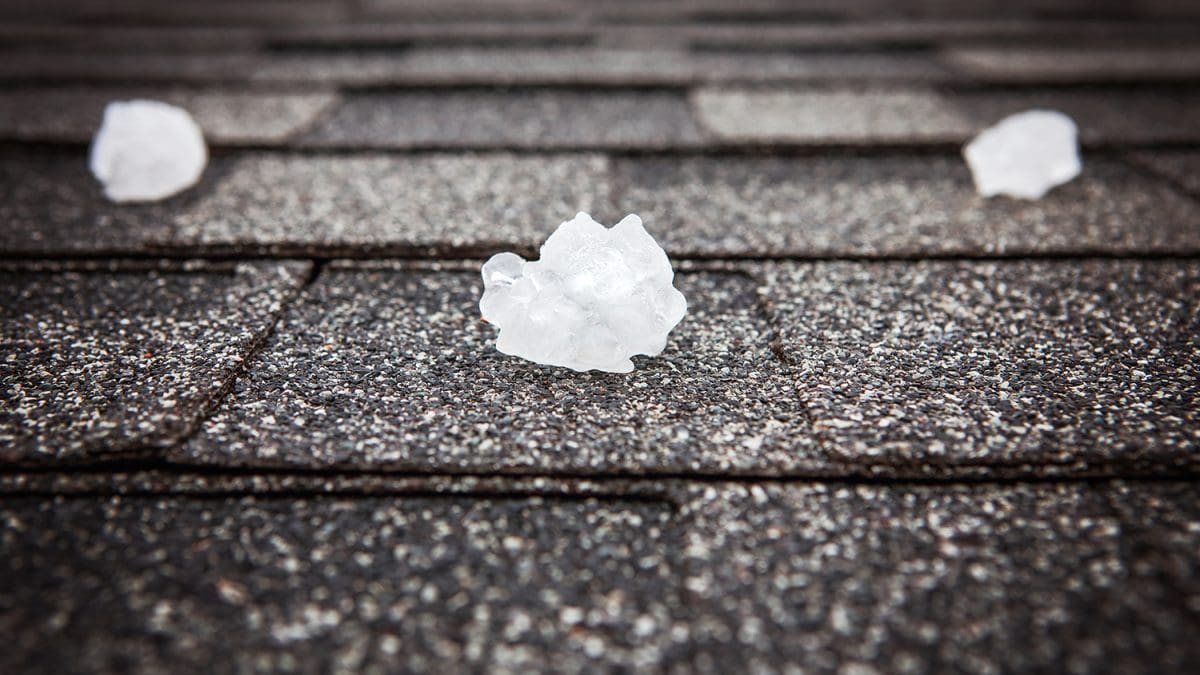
(260, 426)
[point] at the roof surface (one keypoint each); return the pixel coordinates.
(260, 426)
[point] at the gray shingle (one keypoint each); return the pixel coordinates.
(1075, 64)
(889, 206)
(1180, 166)
(1105, 116)
(415, 205)
(113, 362)
(50, 204)
(915, 116)
(72, 114)
(925, 368)
(325, 585)
(837, 116)
(491, 120)
(966, 578)
(393, 369)
(110, 65)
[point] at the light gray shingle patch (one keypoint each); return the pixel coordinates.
(966, 578)
(650, 65)
(128, 38)
(917, 116)
(492, 120)
(1030, 64)
(1180, 166)
(478, 204)
(72, 114)
(834, 116)
(50, 204)
(324, 585)
(110, 362)
(889, 206)
(928, 368)
(393, 369)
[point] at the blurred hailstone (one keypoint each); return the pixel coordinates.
(1024, 155)
(146, 151)
(596, 297)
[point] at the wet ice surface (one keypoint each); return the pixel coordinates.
(147, 151)
(596, 297)
(1025, 155)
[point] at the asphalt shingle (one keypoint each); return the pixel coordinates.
(837, 116)
(110, 362)
(405, 205)
(1180, 166)
(500, 120)
(50, 204)
(894, 206)
(1025, 64)
(227, 116)
(322, 585)
(916, 116)
(393, 369)
(931, 368)
(966, 578)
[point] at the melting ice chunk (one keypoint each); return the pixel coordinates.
(146, 151)
(596, 297)
(1025, 155)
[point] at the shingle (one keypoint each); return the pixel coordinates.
(109, 65)
(498, 120)
(109, 362)
(1075, 64)
(508, 32)
(651, 66)
(961, 578)
(916, 116)
(1105, 116)
(323, 585)
(928, 368)
(393, 369)
(227, 116)
(129, 38)
(1180, 166)
(415, 205)
(894, 206)
(50, 204)
(836, 116)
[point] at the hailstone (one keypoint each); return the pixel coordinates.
(596, 297)
(146, 151)
(1024, 155)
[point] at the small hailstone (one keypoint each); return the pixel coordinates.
(596, 297)
(146, 151)
(1025, 155)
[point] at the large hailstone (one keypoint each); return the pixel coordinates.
(1025, 155)
(595, 298)
(146, 151)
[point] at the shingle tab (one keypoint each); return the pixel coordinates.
(114, 362)
(72, 114)
(979, 578)
(499, 120)
(393, 369)
(838, 116)
(914, 116)
(321, 585)
(51, 205)
(925, 368)
(415, 205)
(1026, 64)
(894, 206)
(1180, 166)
